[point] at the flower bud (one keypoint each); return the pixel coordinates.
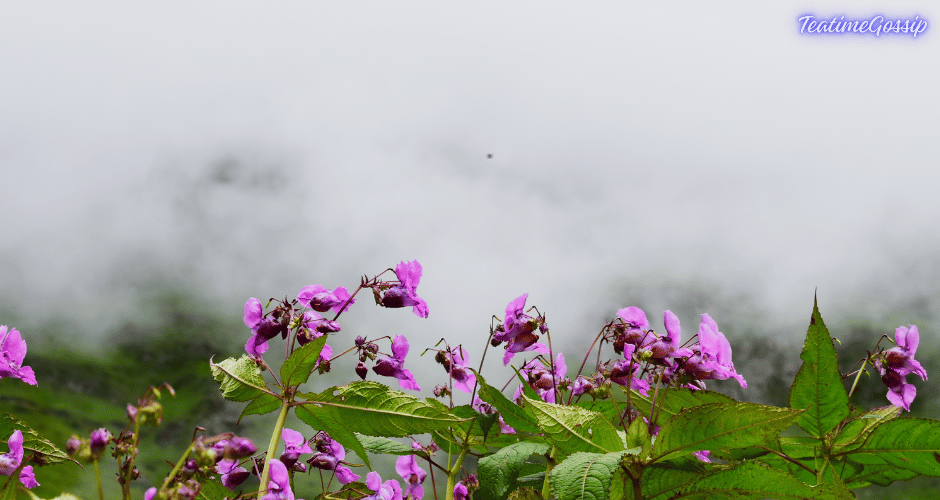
(73, 446)
(362, 370)
(99, 440)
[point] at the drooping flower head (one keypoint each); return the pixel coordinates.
(519, 330)
(322, 299)
(713, 360)
(394, 366)
(232, 474)
(896, 363)
(11, 461)
(407, 467)
(262, 329)
(542, 379)
(405, 293)
(455, 361)
(389, 490)
(328, 456)
(12, 352)
(279, 482)
(294, 446)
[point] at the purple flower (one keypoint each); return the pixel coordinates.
(322, 299)
(456, 359)
(407, 467)
(714, 358)
(232, 474)
(581, 386)
(542, 380)
(99, 439)
(624, 373)
(150, 493)
(262, 329)
(279, 482)
(394, 366)
(11, 460)
(389, 490)
(405, 294)
(328, 456)
(702, 456)
(12, 352)
(901, 358)
(667, 346)
(518, 329)
(460, 491)
(900, 393)
(294, 446)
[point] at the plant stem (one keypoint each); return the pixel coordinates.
(858, 376)
(546, 486)
(272, 447)
(177, 467)
(126, 485)
(98, 478)
(452, 476)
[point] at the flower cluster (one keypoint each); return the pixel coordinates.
(896, 363)
(12, 460)
(518, 330)
(12, 352)
(329, 456)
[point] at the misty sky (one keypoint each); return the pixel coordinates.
(640, 155)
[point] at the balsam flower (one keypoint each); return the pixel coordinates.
(455, 362)
(279, 482)
(518, 329)
(394, 366)
(900, 393)
(713, 361)
(901, 358)
(12, 352)
(407, 467)
(322, 299)
(664, 348)
(232, 474)
(329, 455)
(12, 460)
(389, 490)
(405, 293)
(542, 380)
(294, 446)
(624, 373)
(262, 329)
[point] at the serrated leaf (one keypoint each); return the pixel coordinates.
(483, 422)
(213, 490)
(239, 379)
(261, 405)
(752, 479)
(298, 366)
(585, 476)
(910, 443)
(659, 480)
(574, 429)
(818, 387)
(385, 446)
(33, 442)
(514, 415)
(720, 426)
(372, 408)
(673, 401)
(525, 493)
(498, 472)
(856, 430)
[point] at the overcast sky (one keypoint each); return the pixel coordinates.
(641, 155)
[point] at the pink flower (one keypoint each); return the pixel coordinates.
(12, 352)
(232, 474)
(455, 361)
(713, 361)
(405, 293)
(389, 490)
(279, 482)
(394, 366)
(262, 329)
(11, 460)
(407, 467)
(321, 299)
(518, 329)
(901, 358)
(294, 446)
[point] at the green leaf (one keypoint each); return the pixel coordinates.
(720, 426)
(213, 490)
(263, 404)
(385, 446)
(585, 476)
(372, 408)
(752, 479)
(573, 429)
(818, 387)
(673, 401)
(483, 422)
(909, 443)
(856, 430)
(526, 493)
(239, 380)
(659, 480)
(32, 441)
(296, 369)
(499, 471)
(638, 435)
(514, 415)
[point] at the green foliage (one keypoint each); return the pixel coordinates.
(296, 369)
(751, 480)
(239, 380)
(515, 416)
(498, 472)
(586, 476)
(33, 443)
(574, 429)
(818, 387)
